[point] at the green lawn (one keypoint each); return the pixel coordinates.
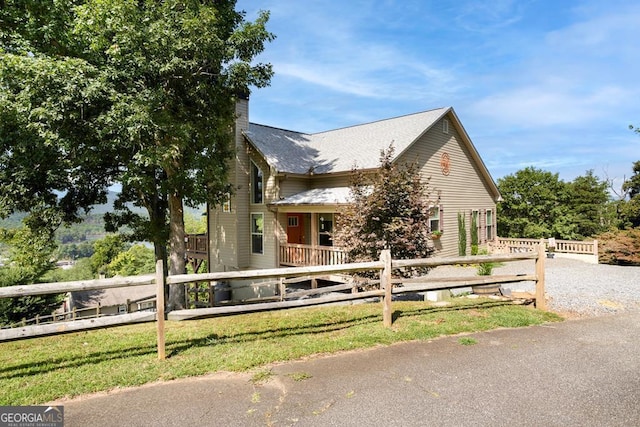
(39, 370)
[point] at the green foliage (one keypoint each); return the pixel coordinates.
(537, 204)
(474, 233)
(632, 185)
(588, 199)
(142, 93)
(104, 252)
(462, 235)
(629, 210)
(389, 209)
(485, 268)
(30, 258)
(533, 200)
(137, 260)
(195, 223)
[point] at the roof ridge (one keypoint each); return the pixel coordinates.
(380, 120)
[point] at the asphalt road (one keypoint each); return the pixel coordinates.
(582, 372)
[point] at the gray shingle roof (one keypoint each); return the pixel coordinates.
(341, 149)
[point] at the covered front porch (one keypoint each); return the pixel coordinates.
(306, 224)
(308, 240)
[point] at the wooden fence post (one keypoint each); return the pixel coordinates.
(541, 303)
(160, 282)
(386, 285)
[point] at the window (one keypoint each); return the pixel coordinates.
(122, 309)
(445, 126)
(489, 224)
(146, 305)
(325, 228)
(434, 219)
(292, 221)
(256, 184)
(257, 232)
(226, 205)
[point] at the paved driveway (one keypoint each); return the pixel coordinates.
(582, 372)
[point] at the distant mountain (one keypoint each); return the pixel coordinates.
(15, 220)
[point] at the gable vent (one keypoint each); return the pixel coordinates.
(445, 126)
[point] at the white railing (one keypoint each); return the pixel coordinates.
(506, 245)
(302, 255)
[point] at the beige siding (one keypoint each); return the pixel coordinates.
(461, 190)
(331, 181)
(292, 185)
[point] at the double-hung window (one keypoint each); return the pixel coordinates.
(257, 233)
(489, 224)
(434, 219)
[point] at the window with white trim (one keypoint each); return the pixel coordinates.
(434, 219)
(256, 184)
(257, 233)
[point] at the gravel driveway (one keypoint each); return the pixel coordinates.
(573, 287)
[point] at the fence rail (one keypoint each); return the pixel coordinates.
(385, 290)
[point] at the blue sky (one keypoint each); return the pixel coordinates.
(552, 84)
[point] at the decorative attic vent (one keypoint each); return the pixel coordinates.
(445, 126)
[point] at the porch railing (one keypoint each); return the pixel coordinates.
(302, 255)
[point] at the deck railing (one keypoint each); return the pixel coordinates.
(196, 245)
(566, 247)
(296, 255)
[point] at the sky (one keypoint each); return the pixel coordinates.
(552, 84)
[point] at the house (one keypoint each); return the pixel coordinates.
(107, 302)
(290, 185)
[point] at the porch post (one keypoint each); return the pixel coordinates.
(314, 246)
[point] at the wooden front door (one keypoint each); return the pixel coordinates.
(295, 228)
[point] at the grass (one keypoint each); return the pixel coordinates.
(40, 370)
(467, 341)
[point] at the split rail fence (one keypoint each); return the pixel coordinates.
(383, 289)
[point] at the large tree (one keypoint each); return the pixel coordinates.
(538, 204)
(629, 210)
(138, 92)
(588, 200)
(534, 205)
(388, 210)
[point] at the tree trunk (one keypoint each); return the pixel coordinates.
(177, 252)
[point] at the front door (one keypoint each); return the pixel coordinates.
(295, 228)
